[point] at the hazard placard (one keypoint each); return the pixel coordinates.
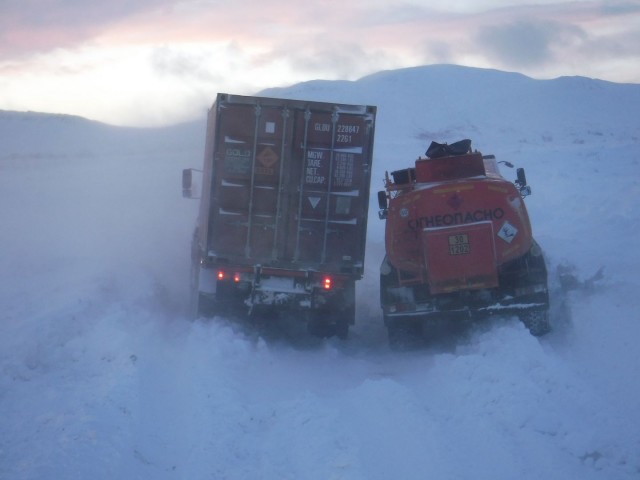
(508, 232)
(267, 157)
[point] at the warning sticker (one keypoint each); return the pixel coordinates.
(267, 157)
(314, 201)
(508, 232)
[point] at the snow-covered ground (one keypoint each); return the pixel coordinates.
(103, 377)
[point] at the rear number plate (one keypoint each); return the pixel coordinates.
(458, 244)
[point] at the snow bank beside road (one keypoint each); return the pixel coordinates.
(124, 392)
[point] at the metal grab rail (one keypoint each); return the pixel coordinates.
(247, 248)
(285, 117)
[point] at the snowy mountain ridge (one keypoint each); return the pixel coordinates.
(445, 99)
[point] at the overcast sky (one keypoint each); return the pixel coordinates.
(152, 62)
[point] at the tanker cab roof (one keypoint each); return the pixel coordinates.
(455, 167)
(445, 169)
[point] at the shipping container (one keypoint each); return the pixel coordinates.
(283, 208)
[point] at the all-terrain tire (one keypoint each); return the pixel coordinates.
(537, 321)
(404, 335)
(321, 328)
(206, 306)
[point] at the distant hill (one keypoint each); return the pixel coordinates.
(446, 102)
(447, 99)
(28, 134)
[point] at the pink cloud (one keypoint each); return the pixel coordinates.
(346, 39)
(28, 26)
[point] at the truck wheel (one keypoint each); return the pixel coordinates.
(342, 328)
(320, 325)
(404, 335)
(206, 306)
(344, 320)
(317, 325)
(537, 321)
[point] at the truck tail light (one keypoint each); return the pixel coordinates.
(326, 283)
(222, 275)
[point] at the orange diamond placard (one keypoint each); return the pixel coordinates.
(267, 157)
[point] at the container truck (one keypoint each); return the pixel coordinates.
(283, 210)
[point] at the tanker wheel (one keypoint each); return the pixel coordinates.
(404, 334)
(537, 321)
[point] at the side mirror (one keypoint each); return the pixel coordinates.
(187, 183)
(521, 182)
(383, 204)
(382, 200)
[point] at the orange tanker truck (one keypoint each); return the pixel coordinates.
(458, 244)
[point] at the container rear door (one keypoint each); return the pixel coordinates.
(250, 164)
(332, 166)
(290, 185)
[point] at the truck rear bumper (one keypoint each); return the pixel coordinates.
(257, 287)
(426, 311)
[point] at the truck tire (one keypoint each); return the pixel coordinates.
(206, 306)
(343, 321)
(317, 325)
(326, 324)
(537, 321)
(404, 334)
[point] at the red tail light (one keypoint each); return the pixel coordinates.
(327, 283)
(222, 275)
